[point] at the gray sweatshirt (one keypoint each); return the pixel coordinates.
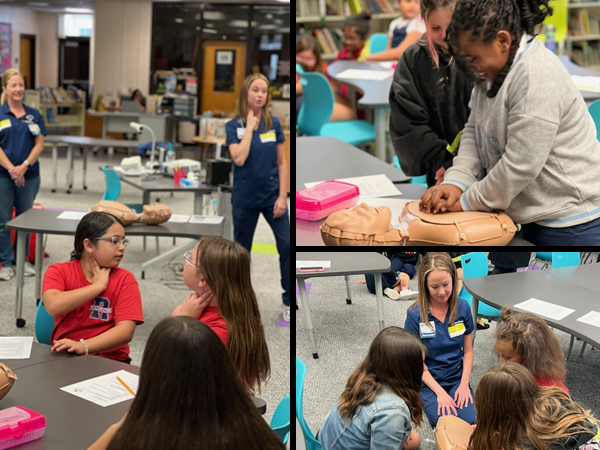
(531, 151)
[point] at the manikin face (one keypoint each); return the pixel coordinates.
(191, 278)
(439, 284)
(15, 88)
(486, 61)
(104, 251)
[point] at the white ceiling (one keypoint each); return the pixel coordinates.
(60, 5)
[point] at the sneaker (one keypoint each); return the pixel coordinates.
(391, 293)
(286, 314)
(29, 270)
(6, 273)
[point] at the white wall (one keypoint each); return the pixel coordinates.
(43, 26)
(121, 47)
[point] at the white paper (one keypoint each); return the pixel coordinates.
(179, 218)
(302, 264)
(370, 186)
(586, 83)
(545, 309)
(353, 74)
(388, 64)
(71, 215)
(206, 219)
(591, 318)
(105, 390)
(15, 347)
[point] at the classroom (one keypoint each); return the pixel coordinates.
(447, 122)
(144, 225)
(447, 350)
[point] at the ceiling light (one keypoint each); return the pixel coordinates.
(179, 20)
(79, 10)
(38, 4)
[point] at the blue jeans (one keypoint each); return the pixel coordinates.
(466, 413)
(22, 199)
(244, 225)
(389, 279)
(584, 234)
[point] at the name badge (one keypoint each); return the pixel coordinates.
(425, 332)
(456, 330)
(5, 124)
(268, 137)
(240, 133)
(35, 129)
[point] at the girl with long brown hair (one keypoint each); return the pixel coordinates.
(381, 398)
(218, 271)
(444, 323)
(514, 413)
(188, 397)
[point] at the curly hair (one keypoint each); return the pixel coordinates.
(484, 18)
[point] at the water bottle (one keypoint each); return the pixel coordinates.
(550, 43)
(170, 154)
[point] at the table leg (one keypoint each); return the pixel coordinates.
(54, 165)
(69, 168)
(168, 255)
(474, 311)
(380, 133)
(198, 200)
(84, 152)
(307, 315)
(39, 240)
(21, 237)
(348, 298)
(379, 293)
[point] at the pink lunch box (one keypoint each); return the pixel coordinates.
(19, 425)
(325, 198)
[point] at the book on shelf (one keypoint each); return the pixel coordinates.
(61, 95)
(312, 8)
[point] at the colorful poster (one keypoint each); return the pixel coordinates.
(5, 47)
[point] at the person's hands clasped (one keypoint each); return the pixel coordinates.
(462, 396)
(444, 197)
(17, 174)
(446, 404)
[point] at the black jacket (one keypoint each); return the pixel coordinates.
(429, 107)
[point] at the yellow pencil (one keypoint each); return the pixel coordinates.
(126, 387)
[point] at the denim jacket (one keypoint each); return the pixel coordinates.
(381, 425)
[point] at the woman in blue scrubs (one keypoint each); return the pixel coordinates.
(22, 134)
(445, 325)
(256, 144)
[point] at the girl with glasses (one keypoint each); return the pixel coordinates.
(218, 271)
(95, 304)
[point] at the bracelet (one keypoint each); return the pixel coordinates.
(85, 345)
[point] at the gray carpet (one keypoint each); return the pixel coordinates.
(344, 333)
(158, 299)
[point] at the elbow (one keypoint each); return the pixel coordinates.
(50, 308)
(239, 161)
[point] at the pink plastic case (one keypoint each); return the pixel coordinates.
(19, 425)
(325, 198)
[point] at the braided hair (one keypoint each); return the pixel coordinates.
(484, 18)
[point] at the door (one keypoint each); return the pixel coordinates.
(223, 74)
(28, 60)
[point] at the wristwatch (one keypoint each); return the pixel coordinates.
(27, 163)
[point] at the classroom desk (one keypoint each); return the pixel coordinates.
(72, 423)
(118, 121)
(300, 444)
(342, 264)
(45, 222)
(375, 95)
(328, 158)
(563, 286)
(574, 69)
(40, 354)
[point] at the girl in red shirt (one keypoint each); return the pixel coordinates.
(218, 271)
(95, 304)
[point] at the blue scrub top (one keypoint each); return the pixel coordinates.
(256, 183)
(444, 357)
(17, 140)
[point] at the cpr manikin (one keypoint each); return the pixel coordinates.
(369, 226)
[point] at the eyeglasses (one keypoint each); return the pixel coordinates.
(351, 38)
(187, 258)
(116, 240)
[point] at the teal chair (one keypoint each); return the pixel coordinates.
(476, 265)
(280, 423)
(44, 324)
(309, 439)
(300, 72)
(113, 190)
(414, 180)
(594, 110)
(317, 108)
(379, 42)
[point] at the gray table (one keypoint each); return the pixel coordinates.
(375, 94)
(562, 287)
(72, 423)
(574, 69)
(328, 158)
(342, 264)
(40, 354)
(300, 444)
(45, 222)
(118, 121)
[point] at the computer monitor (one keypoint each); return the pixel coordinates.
(130, 106)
